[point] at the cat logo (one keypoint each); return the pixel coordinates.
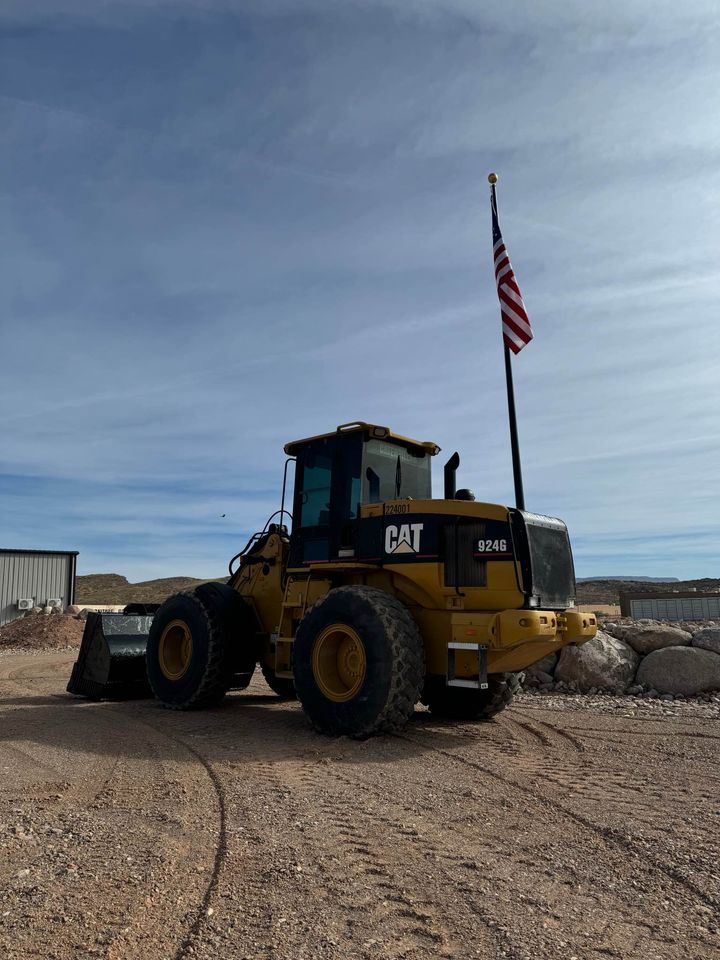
(404, 538)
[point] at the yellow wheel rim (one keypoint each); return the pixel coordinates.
(339, 662)
(175, 651)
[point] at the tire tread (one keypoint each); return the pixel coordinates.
(408, 663)
(462, 704)
(217, 677)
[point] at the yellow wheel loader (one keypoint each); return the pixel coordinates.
(371, 598)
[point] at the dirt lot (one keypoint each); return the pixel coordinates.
(563, 829)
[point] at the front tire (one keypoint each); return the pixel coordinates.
(358, 662)
(458, 703)
(200, 644)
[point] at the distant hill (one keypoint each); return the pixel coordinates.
(608, 590)
(634, 579)
(113, 588)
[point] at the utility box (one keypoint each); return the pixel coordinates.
(30, 578)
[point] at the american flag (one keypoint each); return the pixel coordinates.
(517, 332)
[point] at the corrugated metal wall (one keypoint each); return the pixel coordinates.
(41, 576)
(686, 608)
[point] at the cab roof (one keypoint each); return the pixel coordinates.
(370, 431)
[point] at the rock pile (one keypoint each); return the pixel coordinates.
(56, 631)
(602, 662)
(637, 657)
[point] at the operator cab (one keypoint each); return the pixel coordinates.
(338, 472)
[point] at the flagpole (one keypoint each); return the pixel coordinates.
(514, 444)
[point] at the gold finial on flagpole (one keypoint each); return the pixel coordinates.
(492, 178)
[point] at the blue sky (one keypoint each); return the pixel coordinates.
(228, 225)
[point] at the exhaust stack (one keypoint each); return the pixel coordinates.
(450, 472)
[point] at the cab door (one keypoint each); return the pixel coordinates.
(327, 500)
(310, 541)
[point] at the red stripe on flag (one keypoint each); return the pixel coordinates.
(517, 305)
(518, 322)
(501, 264)
(515, 319)
(518, 331)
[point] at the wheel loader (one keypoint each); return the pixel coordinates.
(368, 597)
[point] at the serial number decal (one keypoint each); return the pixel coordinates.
(492, 546)
(397, 508)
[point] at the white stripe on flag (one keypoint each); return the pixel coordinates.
(509, 292)
(511, 335)
(519, 321)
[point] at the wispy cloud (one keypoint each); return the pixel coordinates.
(226, 227)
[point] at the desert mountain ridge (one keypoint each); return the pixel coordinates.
(114, 588)
(634, 579)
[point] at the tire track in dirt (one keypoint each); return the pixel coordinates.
(57, 662)
(567, 763)
(369, 870)
(459, 850)
(599, 783)
(389, 861)
(482, 891)
(220, 732)
(431, 852)
(666, 734)
(605, 833)
(641, 793)
(109, 783)
(220, 851)
(615, 916)
(526, 732)
(97, 771)
(558, 732)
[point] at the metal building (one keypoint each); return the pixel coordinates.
(35, 578)
(688, 605)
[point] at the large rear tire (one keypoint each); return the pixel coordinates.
(458, 703)
(359, 663)
(200, 644)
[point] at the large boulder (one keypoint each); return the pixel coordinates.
(603, 663)
(644, 638)
(707, 639)
(546, 667)
(686, 671)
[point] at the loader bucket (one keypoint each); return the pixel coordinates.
(111, 662)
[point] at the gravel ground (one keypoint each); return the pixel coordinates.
(573, 827)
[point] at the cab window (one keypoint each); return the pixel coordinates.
(315, 497)
(394, 472)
